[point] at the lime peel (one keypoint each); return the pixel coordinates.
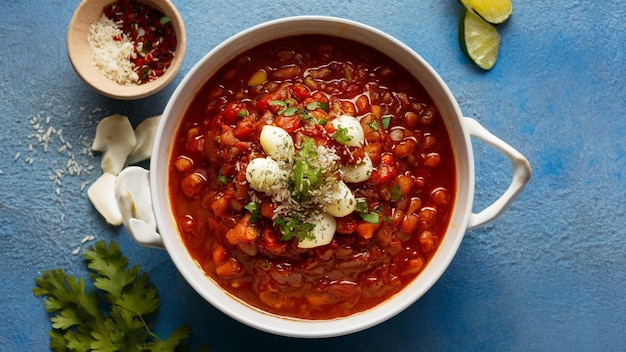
(492, 11)
(479, 40)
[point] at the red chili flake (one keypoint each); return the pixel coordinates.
(152, 33)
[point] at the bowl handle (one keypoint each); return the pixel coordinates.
(132, 193)
(521, 175)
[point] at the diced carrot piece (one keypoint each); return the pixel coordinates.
(220, 206)
(220, 255)
(267, 209)
(366, 230)
(230, 269)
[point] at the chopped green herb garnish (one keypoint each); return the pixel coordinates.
(385, 121)
(363, 209)
(287, 110)
(278, 102)
(164, 20)
(254, 209)
(290, 111)
(396, 193)
(361, 205)
(342, 136)
(317, 105)
(374, 125)
(243, 113)
(222, 179)
(372, 217)
(307, 172)
(291, 228)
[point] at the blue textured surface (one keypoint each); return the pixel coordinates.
(549, 275)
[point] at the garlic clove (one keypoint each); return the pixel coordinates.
(132, 193)
(144, 135)
(101, 195)
(115, 138)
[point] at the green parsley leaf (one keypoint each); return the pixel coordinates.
(164, 20)
(342, 136)
(278, 102)
(372, 217)
(361, 205)
(363, 209)
(113, 319)
(317, 105)
(396, 193)
(291, 228)
(306, 173)
(254, 210)
(385, 120)
(290, 111)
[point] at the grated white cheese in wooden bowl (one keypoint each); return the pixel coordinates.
(112, 57)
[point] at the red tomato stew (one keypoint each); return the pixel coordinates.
(312, 177)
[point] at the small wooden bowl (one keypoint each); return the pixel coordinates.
(88, 13)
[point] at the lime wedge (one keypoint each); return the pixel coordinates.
(492, 11)
(479, 40)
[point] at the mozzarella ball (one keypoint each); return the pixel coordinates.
(342, 202)
(263, 174)
(276, 143)
(353, 127)
(325, 226)
(358, 172)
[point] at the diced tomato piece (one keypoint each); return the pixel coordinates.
(196, 145)
(233, 112)
(228, 138)
(387, 159)
(267, 209)
(244, 129)
(272, 243)
(288, 123)
(387, 172)
(346, 225)
(300, 92)
(264, 102)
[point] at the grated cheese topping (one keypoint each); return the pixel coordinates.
(112, 51)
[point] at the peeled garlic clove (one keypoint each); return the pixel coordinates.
(263, 174)
(358, 172)
(132, 194)
(325, 226)
(353, 127)
(343, 201)
(144, 135)
(102, 196)
(276, 143)
(115, 138)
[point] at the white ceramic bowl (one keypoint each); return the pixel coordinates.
(462, 218)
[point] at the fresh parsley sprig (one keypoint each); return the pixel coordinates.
(113, 318)
(291, 227)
